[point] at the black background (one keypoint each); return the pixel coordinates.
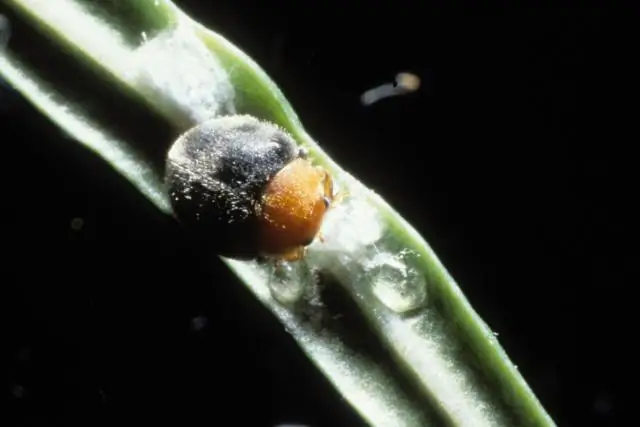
(513, 160)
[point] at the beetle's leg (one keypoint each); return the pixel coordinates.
(335, 198)
(339, 197)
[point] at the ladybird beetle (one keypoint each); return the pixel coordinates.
(244, 188)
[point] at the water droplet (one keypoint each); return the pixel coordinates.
(288, 280)
(396, 283)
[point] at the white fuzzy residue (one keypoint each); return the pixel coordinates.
(352, 226)
(176, 64)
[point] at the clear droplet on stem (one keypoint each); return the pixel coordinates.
(288, 281)
(396, 283)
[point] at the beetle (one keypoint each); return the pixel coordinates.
(244, 188)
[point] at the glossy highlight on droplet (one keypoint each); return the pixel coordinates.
(395, 282)
(288, 280)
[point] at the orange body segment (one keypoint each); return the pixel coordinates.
(293, 206)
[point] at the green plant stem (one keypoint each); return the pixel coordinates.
(429, 358)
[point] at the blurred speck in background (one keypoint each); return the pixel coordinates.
(403, 83)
